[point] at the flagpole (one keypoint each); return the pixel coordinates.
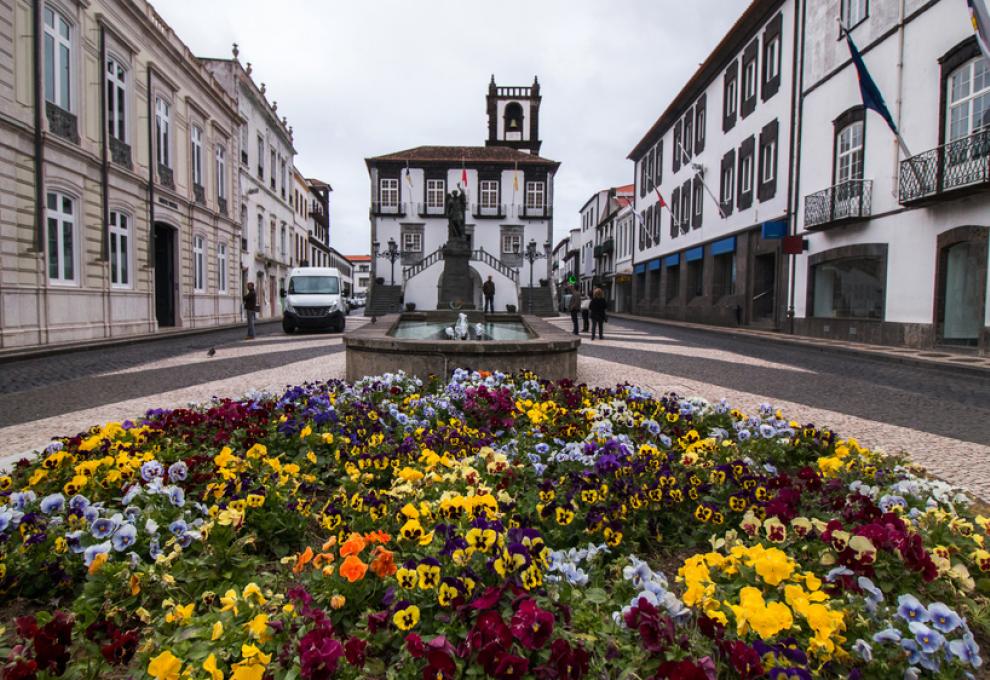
(686, 160)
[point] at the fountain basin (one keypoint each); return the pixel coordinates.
(415, 342)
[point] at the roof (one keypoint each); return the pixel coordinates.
(732, 42)
(467, 155)
(359, 258)
(318, 183)
(625, 190)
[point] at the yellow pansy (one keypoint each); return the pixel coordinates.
(165, 666)
(210, 666)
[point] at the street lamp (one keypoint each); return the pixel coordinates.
(532, 256)
(391, 254)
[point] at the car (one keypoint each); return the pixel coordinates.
(312, 300)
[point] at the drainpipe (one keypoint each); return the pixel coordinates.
(38, 245)
(797, 127)
(898, 105)
(105, 187)
(151, 182)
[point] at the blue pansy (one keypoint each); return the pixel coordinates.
(910, 609)
(125, 537)
(178, 471)
(928, 639)
(151, 469)
(966, 650)
(96, 549)
(943, 618)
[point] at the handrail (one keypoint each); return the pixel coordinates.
(482, 255)
(427, 262)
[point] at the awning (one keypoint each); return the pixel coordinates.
(726, 245)
(775, 229)
(694, 254)
(641, 268)
(672, 260)
(653, 265)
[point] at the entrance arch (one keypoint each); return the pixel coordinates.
(166, 266)
(961, 285)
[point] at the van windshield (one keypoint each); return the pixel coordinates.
(314, 285)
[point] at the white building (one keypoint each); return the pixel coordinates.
(595, 209)
(624, 232)
(362, 274)
(897, 247)
(510, 204)
(718, 155)
(264, 184)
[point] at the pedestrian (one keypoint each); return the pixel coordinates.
(250, 308)
(596, 310)
(574, 307)
(585, 311)
(488, 289)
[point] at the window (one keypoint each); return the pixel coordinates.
(535, 195)
(282, 242)
(271, 174)
(730, 96)
(849, 153)
(746, 174)
(58, 51)
(675, 209)
(851, 288)
(120, 238)
(388, 192)
(489, 193)
(853, 12)
(244, 142)
(676, 149)
(968, 91)
(673, 282)
(261, 233)
(221, 172)
(695, 278)
(511, 244)
(688, 144)
(724, 282)
(261, 157)
(199, 263)
(771, 59)
(196, 138)
(61, 237)
(698, 197)
(749, 79)
(699, 124)
(162, 124)
(436, 190)
(768, 161)
(412, 242)
(282, 170)
(222, 267)
(658, 165)
(685, 212)
(728, 185)
(642, 176)
(116, 99)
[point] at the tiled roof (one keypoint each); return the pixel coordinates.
(463, 154)
(358, 258)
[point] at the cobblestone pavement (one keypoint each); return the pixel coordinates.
(941, 419)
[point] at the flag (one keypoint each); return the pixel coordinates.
(872, 99)
(515, 179)
(464, 179)
(663, 203)
(408, 176)
(980, 16)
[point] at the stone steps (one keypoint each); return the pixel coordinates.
(537, 301)
(383, 300)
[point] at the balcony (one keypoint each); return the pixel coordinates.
(959, 167)
(845, 202)
(388, 209)
(427, 210)
(481, 212)
(535, 212)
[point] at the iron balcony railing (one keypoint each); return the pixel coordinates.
(428, 210)
(961, 164)
(482, 211)
(381, 208)
(849, 200)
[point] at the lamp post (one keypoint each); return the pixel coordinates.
(391, 254)
(531, 256)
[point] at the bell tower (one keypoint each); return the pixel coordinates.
(514, 116)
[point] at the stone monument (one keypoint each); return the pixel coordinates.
(456, 284)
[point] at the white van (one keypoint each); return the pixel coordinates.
(312, 299)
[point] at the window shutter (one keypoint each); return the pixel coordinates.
(698, 209)
(675, 206)
(700, 122)
(729, 112)
(686, 209)
(658, 168)
(728, 161)
(770, 86)
(746, 149)
(768, 136)
(676, 150)
(751, 54)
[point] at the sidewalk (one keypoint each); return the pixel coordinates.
(941, 359)
(19, 353)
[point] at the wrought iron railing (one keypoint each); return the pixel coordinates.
(427, 210)
(482, 211)
(427, 262)
(481, 255)
(959, 164)
(849, 200)
(380, 208)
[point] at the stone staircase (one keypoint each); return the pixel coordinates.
(383, 300)
(537, 301)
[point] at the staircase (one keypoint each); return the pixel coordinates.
(383, 300)
(537, 301)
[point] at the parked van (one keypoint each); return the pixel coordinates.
(312, 299)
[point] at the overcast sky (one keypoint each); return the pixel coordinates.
(368, 77)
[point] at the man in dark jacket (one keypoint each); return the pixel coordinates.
(597, 311)
(488, 290)
(250, 309)
(574, 307)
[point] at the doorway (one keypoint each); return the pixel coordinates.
(272, 295)
(764, 287)
(164, 275)
(961, 288)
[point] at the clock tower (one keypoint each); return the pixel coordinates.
(514, 116)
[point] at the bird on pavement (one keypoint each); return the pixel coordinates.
(374, 319)
(210, 352)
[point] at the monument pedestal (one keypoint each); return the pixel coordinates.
(456, 284)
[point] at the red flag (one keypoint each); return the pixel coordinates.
(663, 203)
(464, 180)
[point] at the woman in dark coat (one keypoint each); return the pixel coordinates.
(596, 310)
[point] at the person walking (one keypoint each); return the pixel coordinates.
(488, 289)
(574, 307)
(585, 310)
(250, 309)
(597, 311)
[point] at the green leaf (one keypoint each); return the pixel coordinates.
(596, 596)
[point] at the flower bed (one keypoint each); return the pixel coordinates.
(492, 526)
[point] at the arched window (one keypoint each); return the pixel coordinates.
(120, 249)
(968, 98)
(849, 153)
(514, 117)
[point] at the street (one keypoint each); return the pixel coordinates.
(942, 419)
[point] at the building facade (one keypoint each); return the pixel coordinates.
(264, 183)
(712, 183)
(362, 274)
(116, 155)
(509, 194)
(897, 245)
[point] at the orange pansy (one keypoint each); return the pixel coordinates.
(353, 569)
(303, 559)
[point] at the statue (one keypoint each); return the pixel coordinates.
(455, 207)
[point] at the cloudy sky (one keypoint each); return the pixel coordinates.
(368, 77)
